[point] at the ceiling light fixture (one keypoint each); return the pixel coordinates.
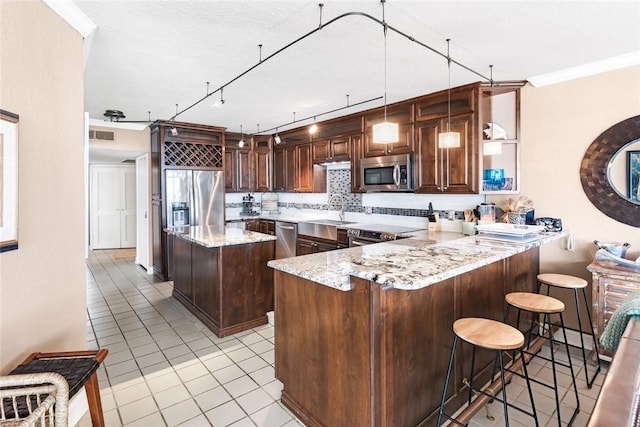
(241, 142)
(449, 139)
(174, 131)
(114, 114)
(314, 127)
(492, 147)
(385, 132)
(276, 138)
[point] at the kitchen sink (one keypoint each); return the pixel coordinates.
(322, 228)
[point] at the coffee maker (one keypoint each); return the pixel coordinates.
(247, 206)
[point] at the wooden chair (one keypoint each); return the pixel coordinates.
(79, 369)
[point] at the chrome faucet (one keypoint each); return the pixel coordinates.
(341, 214)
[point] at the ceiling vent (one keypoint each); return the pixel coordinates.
(102, 135)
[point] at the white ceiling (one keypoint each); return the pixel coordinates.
(151, 55)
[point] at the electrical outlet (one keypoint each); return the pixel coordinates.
(368, 210)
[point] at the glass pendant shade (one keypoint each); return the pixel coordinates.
(449, 140)
(385, 133)
(492, 148)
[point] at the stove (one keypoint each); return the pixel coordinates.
(366, 234)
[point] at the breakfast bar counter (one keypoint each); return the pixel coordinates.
(221, 276)
(363, 335)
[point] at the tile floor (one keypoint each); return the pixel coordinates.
(165, 368)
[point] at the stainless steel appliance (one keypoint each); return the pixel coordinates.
(387, 173)
(376, 233)
(287, 235)
(194, 197)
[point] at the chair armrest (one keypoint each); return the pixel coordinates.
(20, 397)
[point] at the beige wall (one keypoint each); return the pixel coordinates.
(42, 284)
(138, 141)
(559, 122)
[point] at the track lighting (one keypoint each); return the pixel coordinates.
(449, 139)
(276, 138)
(385, 132)
(174, 131)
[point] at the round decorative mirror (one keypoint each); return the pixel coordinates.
(624, 171)
(602, 156)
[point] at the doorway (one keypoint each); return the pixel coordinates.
(113, 206)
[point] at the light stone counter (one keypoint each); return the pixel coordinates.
(213, 237)
(404, 264)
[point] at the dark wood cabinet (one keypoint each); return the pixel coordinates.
(252, 225)
(229, 288)
(262, 164)
(312, 245)
(193, 146)
(357, 152)
(401, 114)
(391, 345)
(267, 226)
(295, 172)
(452, 170)
(336, 149)
(238, 163)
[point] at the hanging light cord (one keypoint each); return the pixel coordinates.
(299, 39)
(384, 30)
(449, 85)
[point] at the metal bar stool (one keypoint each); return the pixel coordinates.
(546, 306)
(563, 281)
(491, 335)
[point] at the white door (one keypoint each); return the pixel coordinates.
(142, 197)
(113, 206)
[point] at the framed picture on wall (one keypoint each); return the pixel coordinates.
(8, 181)
(633, 176)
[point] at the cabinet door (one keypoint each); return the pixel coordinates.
(461, 166)
(450, 170)
(252, 225)
(428, 173)
(157, 236)
(243, 175)
(279, 169)
(356, 156)
(401, 114)
(290, 169)
(230, 183)
(305, 247)
(207, 278)
(182, 279)
(262, 175)
(325, 247)
(340, 149)
(321, 151)
(304, 169)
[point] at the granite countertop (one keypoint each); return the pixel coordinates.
(213, 237)
(405, 264)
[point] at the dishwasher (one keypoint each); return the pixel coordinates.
(287, 235)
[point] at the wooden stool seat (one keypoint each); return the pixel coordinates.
(535, 302)
(488, 333)
(562, 281)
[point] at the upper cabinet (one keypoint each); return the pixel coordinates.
(295, 172)
(499, 123)
(238, 173)
(400, 113)
(263, 164)
(336, 149)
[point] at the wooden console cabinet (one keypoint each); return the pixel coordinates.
(609, 288)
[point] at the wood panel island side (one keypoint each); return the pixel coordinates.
(363, 335)
(221, 276)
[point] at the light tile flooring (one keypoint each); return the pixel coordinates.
(165, 368)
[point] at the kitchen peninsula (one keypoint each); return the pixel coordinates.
(221, 276)
(363, 335)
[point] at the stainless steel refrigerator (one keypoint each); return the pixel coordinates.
(194, 197)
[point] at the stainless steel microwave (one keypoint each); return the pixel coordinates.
(387, 173)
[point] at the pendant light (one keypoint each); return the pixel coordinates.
(491, 147)
(385, 132)
(314, 127)
(449, 139)
(241, 142)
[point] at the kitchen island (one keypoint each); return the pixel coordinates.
(363, 335)
(221, 276)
